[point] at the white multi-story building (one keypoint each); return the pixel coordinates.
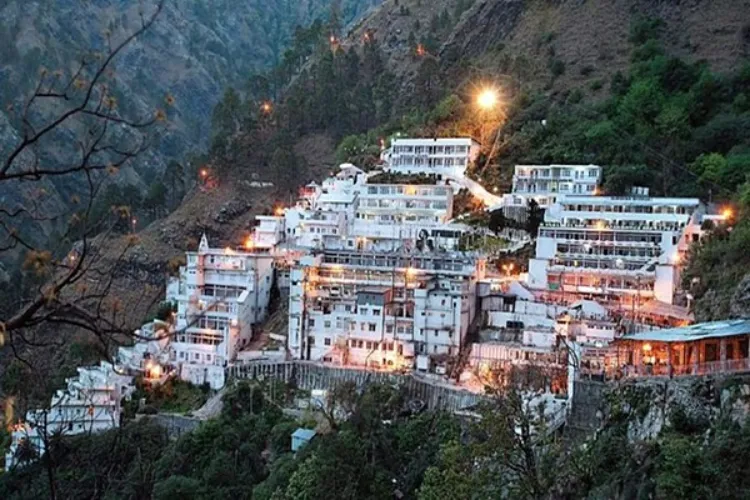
(397, 216)
(268, 233)
(90, 402)
(546, 183)
(450, 156)
(315, 228)
(384, 310)
(624, 250)
(220, 294)
(357, 210)
(150, 353)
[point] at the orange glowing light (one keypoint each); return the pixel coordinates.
(333, 40)
(488, 99)
(420, 50)
(727, 213)
(647, 347)
(266, 107)
(279, 211)
(600, 225)
(249, 243)
(204, 172)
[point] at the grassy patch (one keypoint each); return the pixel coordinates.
(174, 396)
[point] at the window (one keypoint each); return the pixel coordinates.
(197, 356)
(376, 312)
(327, 341)
(311, 322)
(372, 327)
(327, 324)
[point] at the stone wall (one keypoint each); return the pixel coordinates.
(316, 376)
(175, 425)
(587, 407)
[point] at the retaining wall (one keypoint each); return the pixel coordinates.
(311, 376)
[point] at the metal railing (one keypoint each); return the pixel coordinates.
(708, 368)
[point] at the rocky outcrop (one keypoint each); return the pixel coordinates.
(739, 305)
(650, 406)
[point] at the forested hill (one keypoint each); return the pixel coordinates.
(193, 52)
(195, 49)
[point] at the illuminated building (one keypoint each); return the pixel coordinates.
(221, 294)
(621, 251)
(546, 183)
(431, 156)
(89, 403)
(386, 310)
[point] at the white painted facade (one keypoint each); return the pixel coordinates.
(220, 294)
(90, 402)
(348, 212)
(268, 233)
(431, 156)
(545, 184)
(620, 249)
(381, 310)
(152, 346)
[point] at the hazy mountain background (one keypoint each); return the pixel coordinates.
(196, 49)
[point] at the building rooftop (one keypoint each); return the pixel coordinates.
(336, 197)
(692, 333)
(438, 140)
(304, 434)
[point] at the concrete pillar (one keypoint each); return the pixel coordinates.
(669, 360)
(638, 359)
(696, 356)
(723, 353)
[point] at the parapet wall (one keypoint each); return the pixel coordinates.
(311, 376)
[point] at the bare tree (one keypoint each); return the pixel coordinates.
(76, 273)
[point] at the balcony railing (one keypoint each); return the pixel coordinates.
(709, 368)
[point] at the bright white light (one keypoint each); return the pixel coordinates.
(487, 99)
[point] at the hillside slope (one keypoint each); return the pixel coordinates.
(488, 37)
(526, 38)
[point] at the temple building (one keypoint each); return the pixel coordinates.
(700, 349)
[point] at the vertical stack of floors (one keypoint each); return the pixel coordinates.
(381, 310)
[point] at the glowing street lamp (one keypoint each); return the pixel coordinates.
(266, 108)
(488, 99)
(508, 268)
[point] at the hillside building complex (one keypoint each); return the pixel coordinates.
(90, 402)
(382, 310)
(450, 156)
(378, 211)
(621, 250)
(221, 294)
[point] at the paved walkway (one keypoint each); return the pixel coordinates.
(212, 408)
(490, 200)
